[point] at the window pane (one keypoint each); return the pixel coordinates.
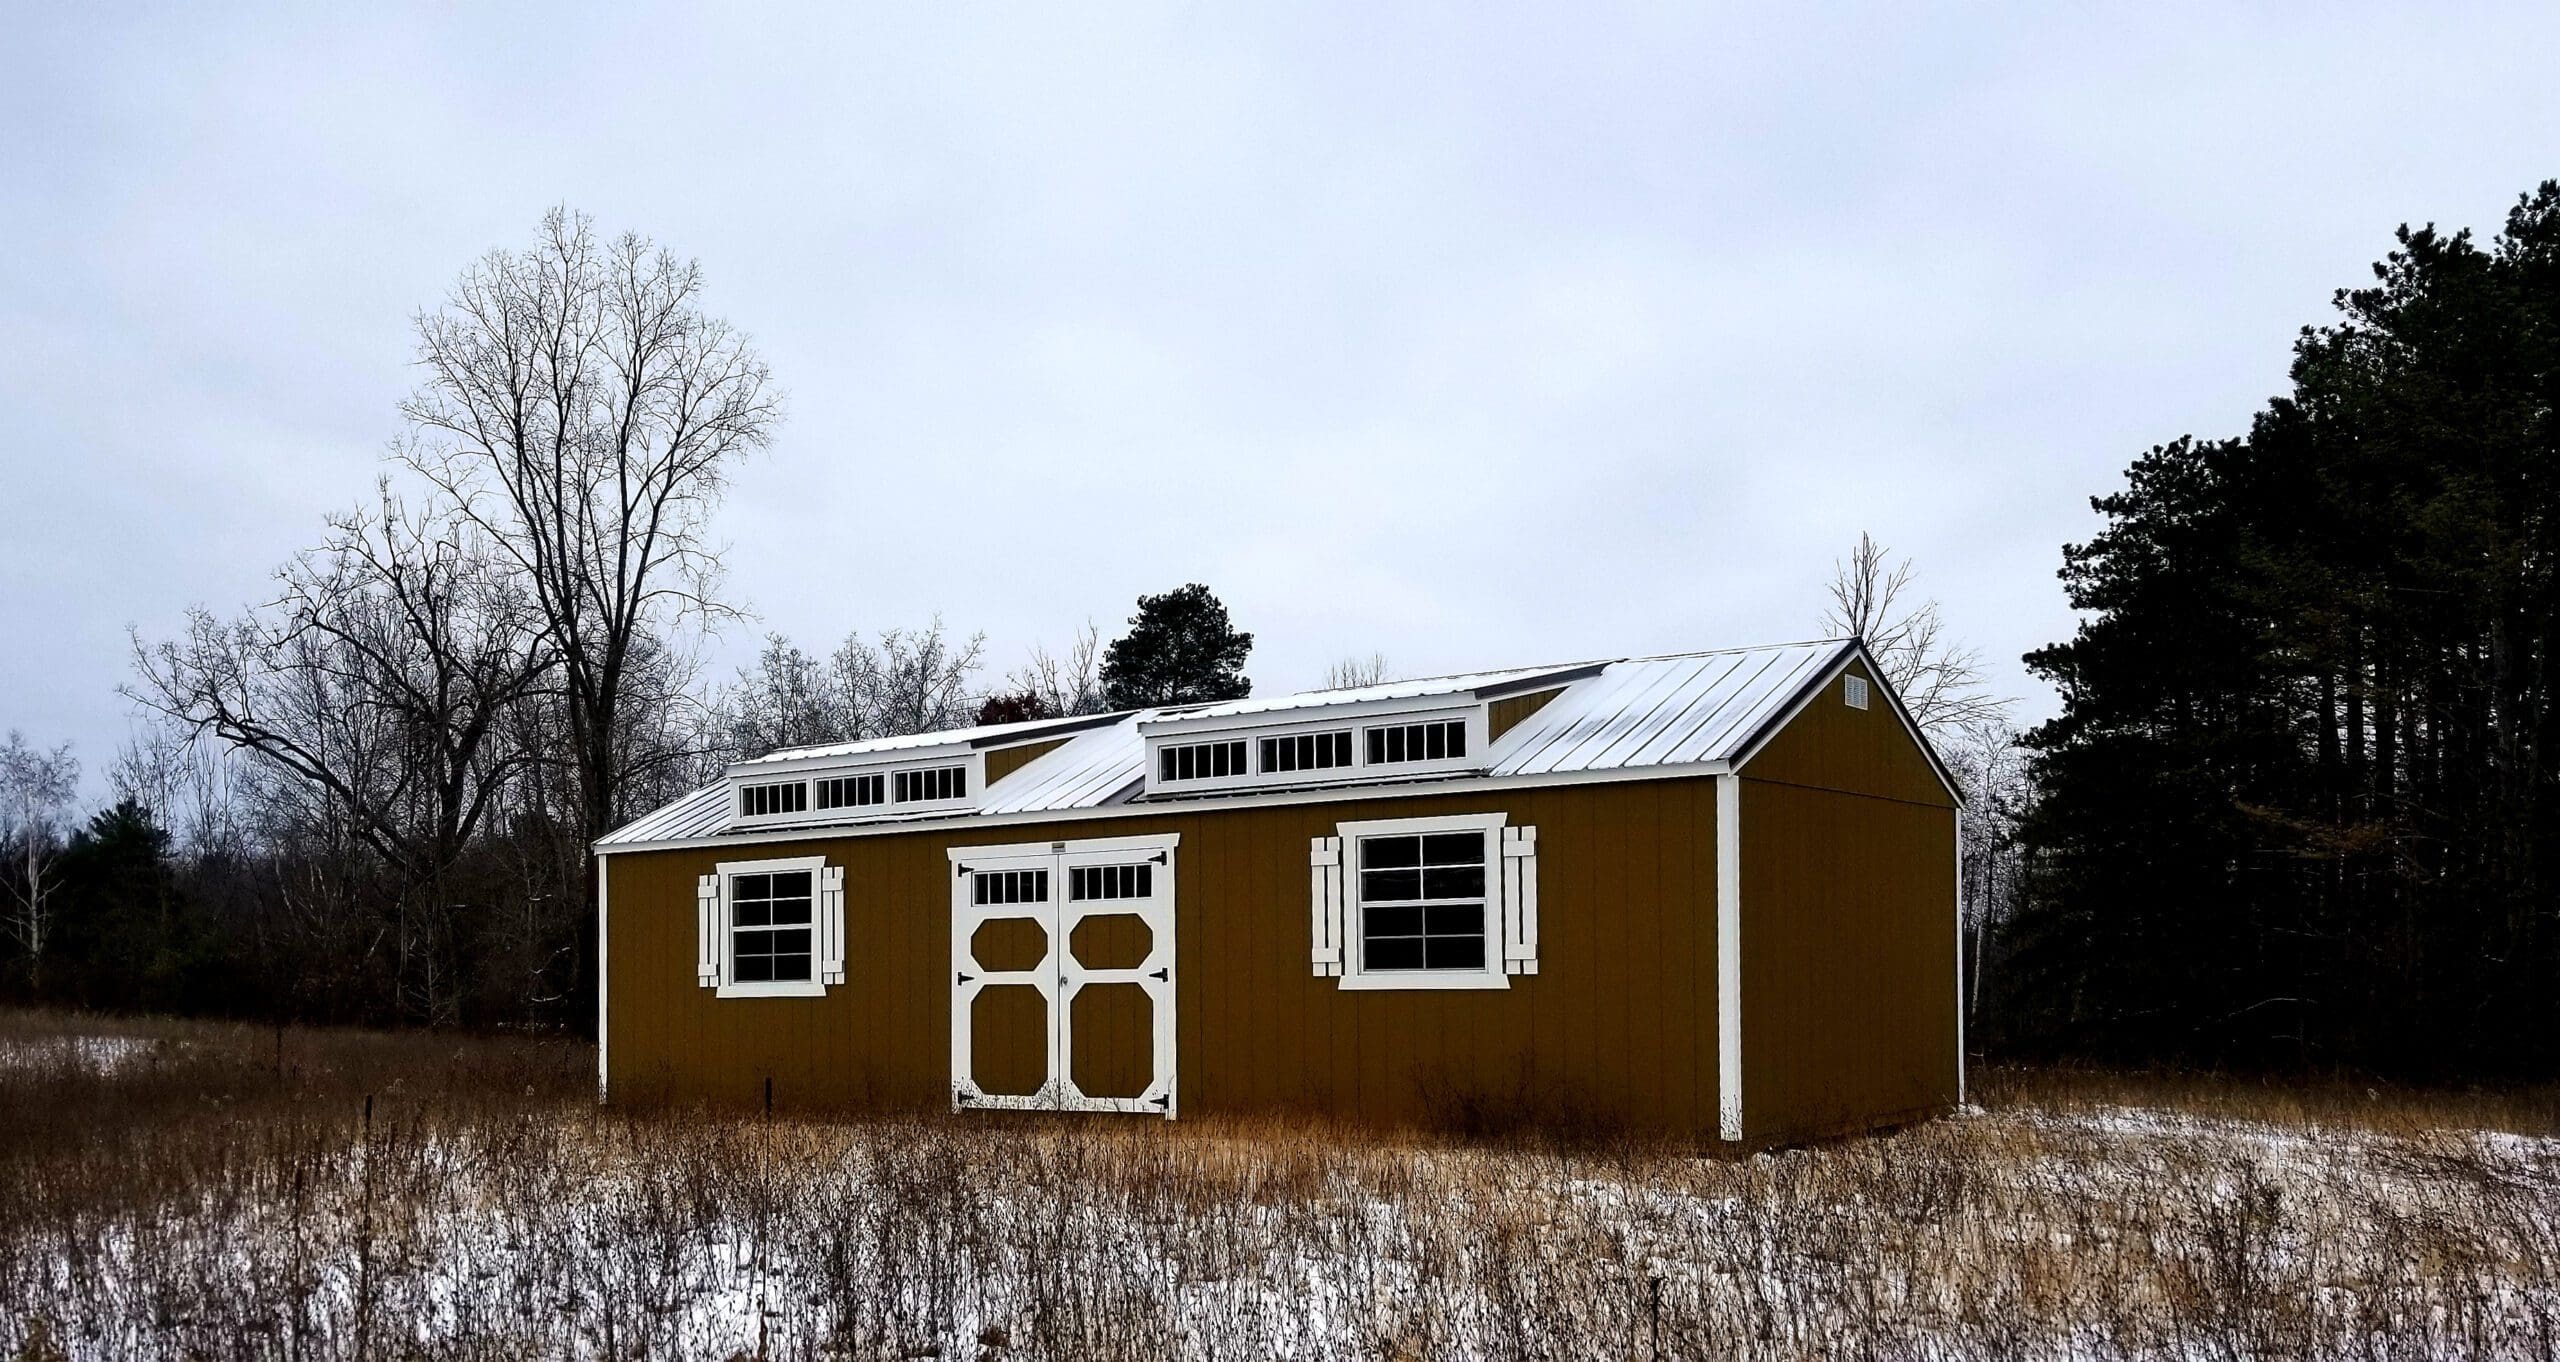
(1378, 853)
(1453, 919)
(795, 968)
(753, 912)
(796, 943)
(755, 969)
(1453, 848)
(1393, 921)
(1453, 882)
(751, 886)
(1396, 953)
(791, 884)
(788, 911)
(1378, 886)
(1455, 952)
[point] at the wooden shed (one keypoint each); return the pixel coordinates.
(1711, 894)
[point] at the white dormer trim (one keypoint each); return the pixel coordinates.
(806, 772)
(1356, 719)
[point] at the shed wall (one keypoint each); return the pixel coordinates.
(1848, 925)
(1618, 1027)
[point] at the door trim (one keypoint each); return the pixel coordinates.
(1059, 976)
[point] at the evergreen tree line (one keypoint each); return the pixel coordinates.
(2302, 802)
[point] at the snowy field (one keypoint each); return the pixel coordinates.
(212, 1191)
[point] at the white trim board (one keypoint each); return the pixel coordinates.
(1729, 957)
(1158, 808)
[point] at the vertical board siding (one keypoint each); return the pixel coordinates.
(1610, 1030)
(1848, 925)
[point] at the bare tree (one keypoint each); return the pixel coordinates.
(787, 699)
(1939, 680)
(913, 681)
(584, 413)
(1066, 686)
(36, 790)
(1992, 769)
(187, 785)
(1353, 672)
(378, 686)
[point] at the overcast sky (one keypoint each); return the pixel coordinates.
(1471, 337)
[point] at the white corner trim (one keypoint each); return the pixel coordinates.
(1960, 1075)
(1729, 956)
(811, 987)
(604, 1033)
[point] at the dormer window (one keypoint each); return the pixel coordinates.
(1438, 740)
(1201, 760)
(932, 785)
(1307, 752)
(852, 792)
(766, 801)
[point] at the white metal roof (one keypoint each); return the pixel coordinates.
(948, 737)
(1676, 710)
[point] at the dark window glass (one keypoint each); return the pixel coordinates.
(770, 916)
(1423, 901)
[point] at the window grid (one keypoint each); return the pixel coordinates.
(851, 792)
(758, 801)
(1306, 752)
(1422, 902)
(770, 926)
(1438, 740)
(1089, 882)
(1009, 886)
(1853, 691)
(1202, 760)
(934, 783)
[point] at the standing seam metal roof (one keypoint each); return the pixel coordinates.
(1675, 710)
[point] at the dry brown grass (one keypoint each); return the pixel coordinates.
(217, 1191)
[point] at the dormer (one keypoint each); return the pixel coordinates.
(934, 773)
(1400, 731)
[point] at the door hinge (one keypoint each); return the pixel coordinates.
(1158, 858)
(1164, 1101)
(1164, 975)
(958, 869)
(959, 978)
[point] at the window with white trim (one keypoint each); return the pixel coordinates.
(1307, 752)
(1853, 691)
(1201, 760)
(1436, 740)
(1422, 901)
(932, 784)
(772, 928)
(763, 801)
(1443, 902)
(852, 792)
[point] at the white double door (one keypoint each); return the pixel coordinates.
(1062, 976)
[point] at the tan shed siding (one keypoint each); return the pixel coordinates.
(1848, 925)
(1004, 761)
(1830, 746)
(1505, 714)
(1618, 1026)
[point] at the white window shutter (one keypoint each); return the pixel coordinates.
(706, 900)
(1324, 905)
(831, 926)
(1520, 900)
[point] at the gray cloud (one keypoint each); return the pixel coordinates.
(1471, 337)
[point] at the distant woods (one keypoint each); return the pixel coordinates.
(2302, 804)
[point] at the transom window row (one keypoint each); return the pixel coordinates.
(1009, 886)
(852, 792)
(1438, 740)
(1201, 760)
(1307, 752)
(758, 801)
(1086, 882)
(939, 782)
